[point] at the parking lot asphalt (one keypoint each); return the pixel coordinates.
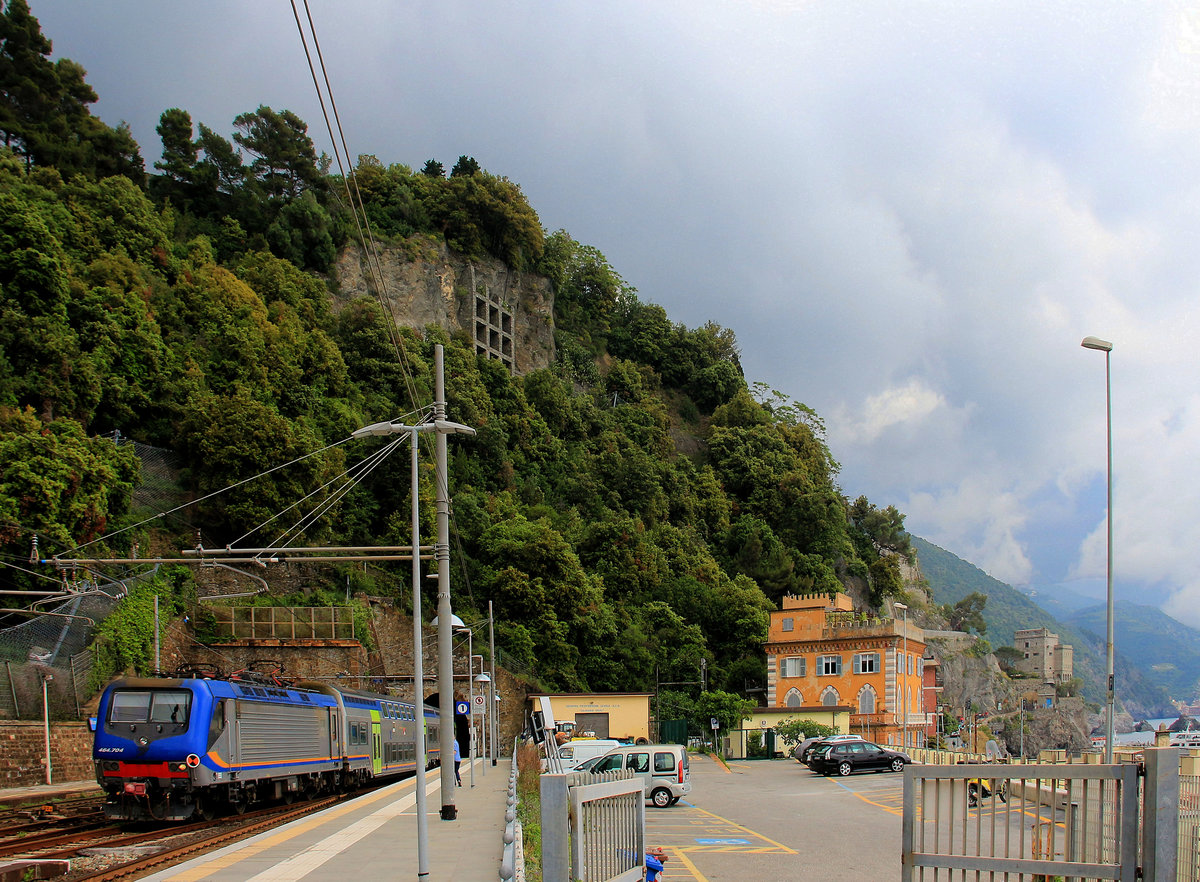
(775, 821)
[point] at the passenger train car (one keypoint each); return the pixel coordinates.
(171, 749)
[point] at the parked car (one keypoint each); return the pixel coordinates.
(663, 769)
(574, 752)
(856, 756)
(810, 746)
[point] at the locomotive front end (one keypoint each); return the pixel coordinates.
(150, 737)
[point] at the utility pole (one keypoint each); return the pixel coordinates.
(442, 556)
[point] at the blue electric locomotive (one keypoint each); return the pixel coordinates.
(171, 749)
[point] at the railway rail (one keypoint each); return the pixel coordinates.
(246, 825)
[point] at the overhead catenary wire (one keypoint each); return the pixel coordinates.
(357, 209)
(209, 495)
(364, 466)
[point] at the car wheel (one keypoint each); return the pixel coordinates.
(844, 768)
(661, 797)
(897, 765)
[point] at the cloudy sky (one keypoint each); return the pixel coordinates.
(909, 213)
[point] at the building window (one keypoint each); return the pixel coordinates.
(829, 697)
(866, 663)
(789, 623)
(793, 698)
(829, 665)
(793, 667)
(866, 700)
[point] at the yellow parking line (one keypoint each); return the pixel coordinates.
(747, 830)
(683, 859)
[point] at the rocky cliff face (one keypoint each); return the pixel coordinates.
(425, 283)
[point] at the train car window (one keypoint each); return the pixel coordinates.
(129, 707)
(170, 706)
(217, 725)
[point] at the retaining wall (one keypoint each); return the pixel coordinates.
(23, 753)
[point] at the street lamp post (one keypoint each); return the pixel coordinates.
(495, 711)
(1110, 700)
(46, 678)
(483, 679)
(903, 668)
(441, 427)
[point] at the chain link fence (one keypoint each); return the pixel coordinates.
(53, 647)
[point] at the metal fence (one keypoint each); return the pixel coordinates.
(593, 827)
(1042, 821)
(283, 622)
(52, 647)
(1189, 828)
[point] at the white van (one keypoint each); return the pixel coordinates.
(663, 769)
(574, 752)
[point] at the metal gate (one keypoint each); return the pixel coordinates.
(1038, 821)
(593, 827)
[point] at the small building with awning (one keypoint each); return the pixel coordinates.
(757, 736)
(620, 715)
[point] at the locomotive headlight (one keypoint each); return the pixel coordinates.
(192, 761)
(143, 741)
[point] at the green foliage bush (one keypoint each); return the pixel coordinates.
(124, 641)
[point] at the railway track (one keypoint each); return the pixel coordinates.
(244, 826)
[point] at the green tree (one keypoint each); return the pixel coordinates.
(59, 483)
(794, 731)
(967, 614)
(44, 113)
(180, 157)
(27, 80)
(726, 708)
(38, 347)
(465, 167)
(433, 169)
(221, 171)
(285, 161)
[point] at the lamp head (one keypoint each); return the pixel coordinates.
(1096, 343)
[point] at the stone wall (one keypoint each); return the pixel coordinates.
(23, 753)
(427, 284)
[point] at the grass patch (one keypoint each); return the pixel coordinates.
(529, 809)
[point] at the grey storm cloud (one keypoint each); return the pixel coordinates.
(909, 213)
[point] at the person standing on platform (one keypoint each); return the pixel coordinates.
(457, 763)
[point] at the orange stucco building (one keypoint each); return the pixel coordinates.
(820, 651)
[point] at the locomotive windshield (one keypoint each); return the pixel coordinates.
(145, 706)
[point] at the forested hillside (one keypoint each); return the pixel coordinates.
(635, 508)
(1008, 610)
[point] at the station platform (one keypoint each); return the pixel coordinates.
(12, 797)
(373, 837)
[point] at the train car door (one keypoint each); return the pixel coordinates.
(376, 743)
(335, 736)
(231, 723)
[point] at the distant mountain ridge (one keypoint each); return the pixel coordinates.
(1139, 688)
(1166, 649)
